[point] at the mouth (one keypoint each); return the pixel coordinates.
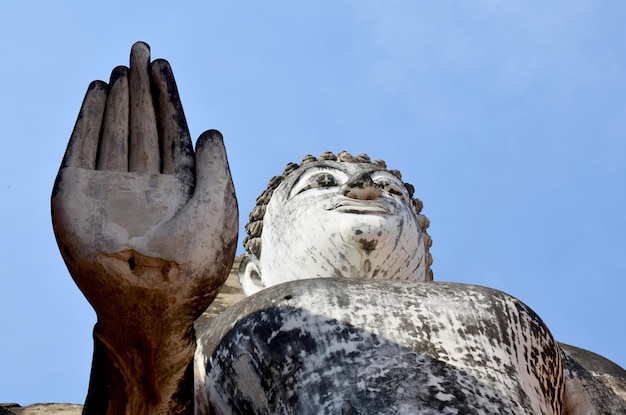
(362, 207)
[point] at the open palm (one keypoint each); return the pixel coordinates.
(145, 224)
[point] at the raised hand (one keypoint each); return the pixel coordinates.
(147, 228)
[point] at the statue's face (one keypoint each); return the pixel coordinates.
(336, 219)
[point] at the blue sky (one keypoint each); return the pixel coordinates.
(508, 117)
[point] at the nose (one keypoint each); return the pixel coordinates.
(361, 186)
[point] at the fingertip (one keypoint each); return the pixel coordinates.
(210, 142)
(162, 65)
(97, 91)
(211, 163)
(209, 137)
(97, 86)
(140, 54)
(117, 73)
(140, 46)
(162, 74)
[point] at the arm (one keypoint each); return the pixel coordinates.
(147, 228)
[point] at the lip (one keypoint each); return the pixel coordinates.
(363, 207)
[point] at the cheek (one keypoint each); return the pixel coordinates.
(301, 213)
(406, 230)
(287, 227)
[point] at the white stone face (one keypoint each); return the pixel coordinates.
(336, 219)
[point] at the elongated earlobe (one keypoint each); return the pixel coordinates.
(250, 274)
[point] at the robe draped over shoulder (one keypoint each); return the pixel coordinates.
(353, 347)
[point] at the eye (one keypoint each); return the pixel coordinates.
(324, 180)
(319, 180)
(316, 179)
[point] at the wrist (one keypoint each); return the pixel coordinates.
(142, 371)
(144, 339)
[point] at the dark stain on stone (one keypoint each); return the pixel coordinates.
(367, 266)
(368, 245)
(68, 255)
(348, 409)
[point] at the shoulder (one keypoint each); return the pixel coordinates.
(593, 384)
(313, 335)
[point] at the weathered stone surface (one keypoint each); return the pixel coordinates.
(316, 346)
(41, 409)
(147, 226)
(594, 384)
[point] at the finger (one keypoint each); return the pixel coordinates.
(144, 140)
(113, 152)
(212, 170)
(83, 145)
(177, 150)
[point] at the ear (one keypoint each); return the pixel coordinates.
(250, 274)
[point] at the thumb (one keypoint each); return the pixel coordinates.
(212, 171)
(204, 232)
(213, 206)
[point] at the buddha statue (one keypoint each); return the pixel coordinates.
(342, 314)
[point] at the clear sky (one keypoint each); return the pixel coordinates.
(508, 117)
